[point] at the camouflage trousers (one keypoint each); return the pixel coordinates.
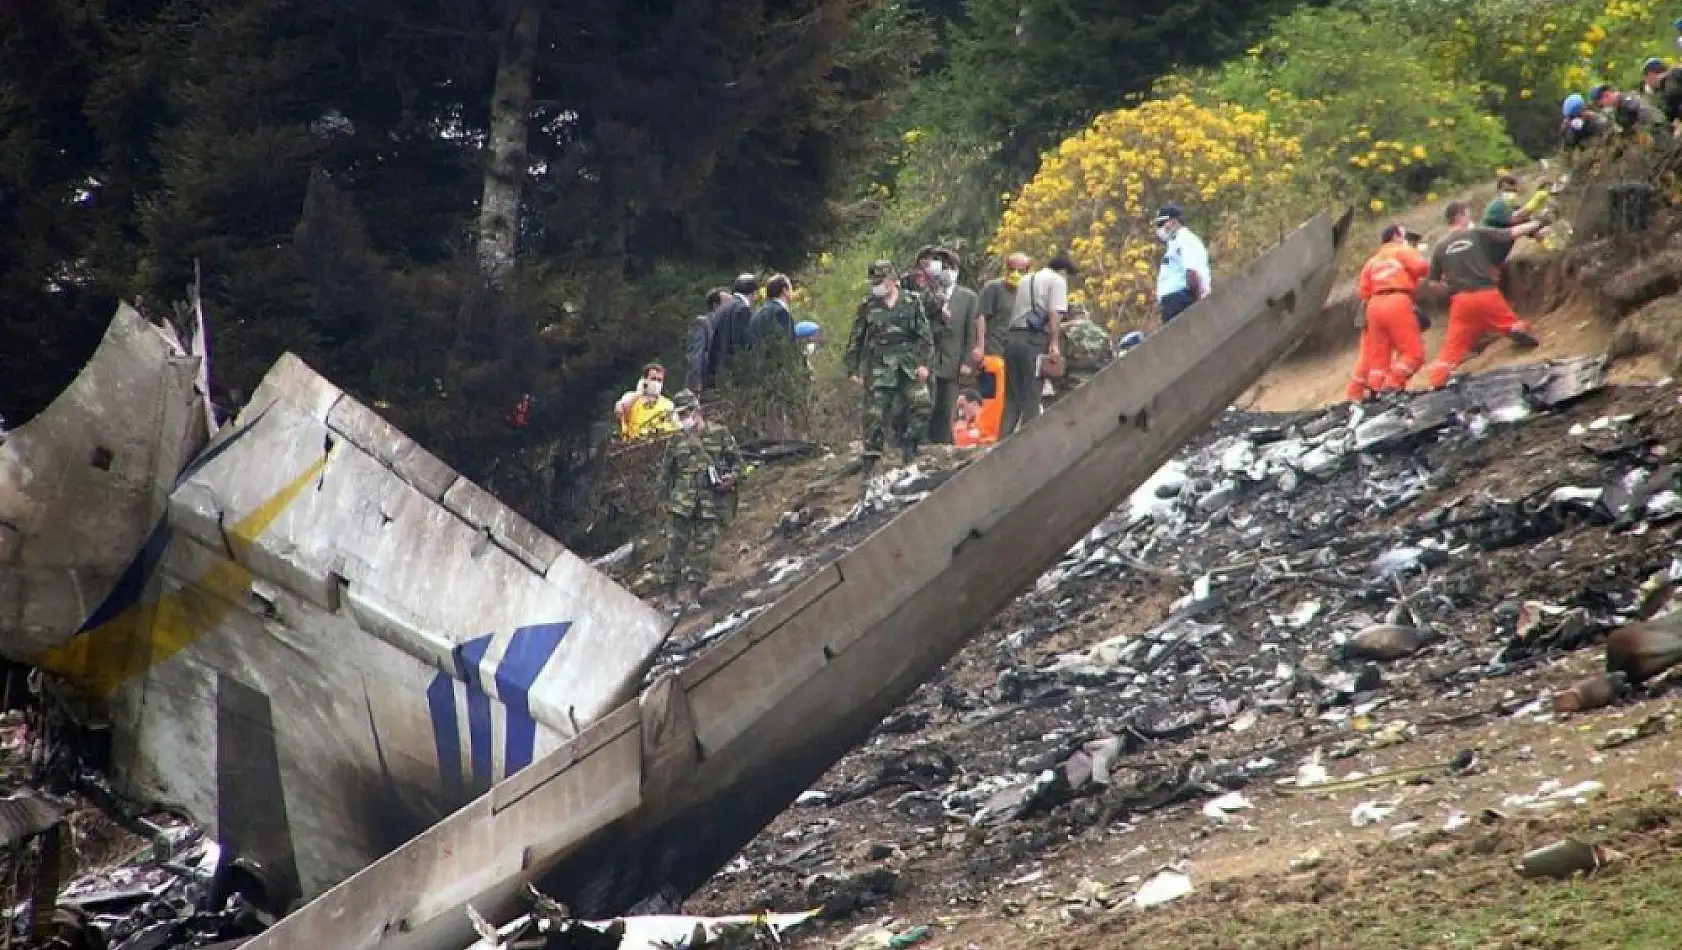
(689, 550)
(902, 409)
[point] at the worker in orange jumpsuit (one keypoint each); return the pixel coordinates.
(968, 428)
(1463, 264)
(1392, 346)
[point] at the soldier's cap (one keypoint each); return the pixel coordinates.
(881, 270)
(685, 400)
(926, 251)
(946, 256)
(1598, 91)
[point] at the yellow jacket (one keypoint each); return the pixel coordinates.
(641, 418)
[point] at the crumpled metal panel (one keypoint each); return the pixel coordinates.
(24, 815)
(321, 655)
(1506, 394)
(84, 483)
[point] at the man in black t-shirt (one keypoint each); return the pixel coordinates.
(1463, 264)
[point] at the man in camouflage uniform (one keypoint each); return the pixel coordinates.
(890, 350)
(698, 480)
(1086, 350)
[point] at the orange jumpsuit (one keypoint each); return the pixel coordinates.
(1464, 260)
(1392, 347)
(968, 434)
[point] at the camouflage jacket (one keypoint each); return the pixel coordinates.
(888, 342)
(1086, 349)
(693, 460)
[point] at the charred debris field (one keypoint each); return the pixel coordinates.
(1315, 651)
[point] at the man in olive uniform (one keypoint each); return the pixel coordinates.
(889, 350)
(698, 480)
(1086, 350)
(998, 296)
(957, 343)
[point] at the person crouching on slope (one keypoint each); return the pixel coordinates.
(1392, 346)
(1463, 264)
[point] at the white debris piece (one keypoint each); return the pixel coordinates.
(1553, 793)
(1304, 614)
(1165, 886)
(1220, 809)
(1372, 813)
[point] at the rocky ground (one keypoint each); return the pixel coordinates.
(1317, 650)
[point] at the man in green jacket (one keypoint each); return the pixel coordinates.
(958, 344)
(890, 350)
(698, 480)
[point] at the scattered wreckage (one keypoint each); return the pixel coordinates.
(1342, 570)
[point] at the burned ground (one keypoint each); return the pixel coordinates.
(1202, 641)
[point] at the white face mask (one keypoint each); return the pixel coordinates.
(651, 387)
(689, 421)
(932, 268)
(948, 278)
(1509, 196)
(1162, 233)
(879, 290)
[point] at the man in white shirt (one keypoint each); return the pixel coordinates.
(1183, 278)
(1042, 301)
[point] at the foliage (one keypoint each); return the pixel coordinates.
(1526, 57)
(1376, 116)
(1096, 194)
(1026, 73)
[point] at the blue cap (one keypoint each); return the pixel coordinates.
(1131, 339)
(1654, 65)
(1573, 105)
(1597, 92)
(806, 328)
(1170, 212)
(1678, 24)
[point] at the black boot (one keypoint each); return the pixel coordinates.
(867, 468)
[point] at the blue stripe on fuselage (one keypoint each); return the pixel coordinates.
(529, 651)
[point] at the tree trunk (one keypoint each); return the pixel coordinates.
(505, 169)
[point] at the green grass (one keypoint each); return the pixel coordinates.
(1452, 891)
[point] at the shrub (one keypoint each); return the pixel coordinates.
(1095, 195)
(1372, 109)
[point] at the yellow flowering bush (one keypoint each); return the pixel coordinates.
(1527, 56)
(1096, 194)
(1621, 35)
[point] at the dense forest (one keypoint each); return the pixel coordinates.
(445, 204)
